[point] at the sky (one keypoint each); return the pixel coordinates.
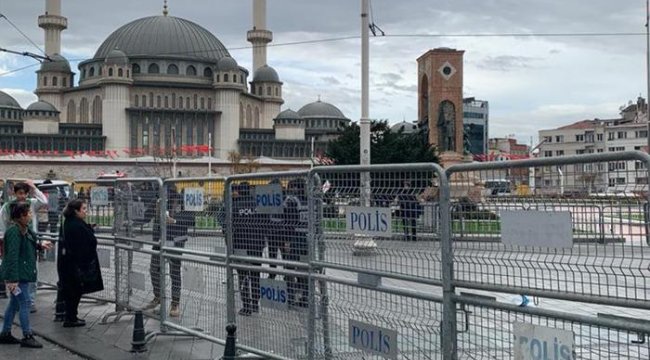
(531, 82)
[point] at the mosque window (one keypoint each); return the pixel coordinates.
(44, 80)
(99, 72)
(277, 91)
(144, 100)
(172, 69)
(120, 72)
(218, 77)
(110, 72)
(150, 99)
(260, 91)
(153, 69)
(173, 101)
(158, 101)
(180, 102)
(64, 81)
(136, 68)
(91, 72)
(253, 90)
(55, 81)
(234, 78)
(83, 111)
(196, 102)
(127, 73)
(166, 102)
(137, 101)
(187, 103)
(191, 71)
(83, 73)
(97, 110)
(209, 103)
(202, 103)
(207, 72)
(226, 78)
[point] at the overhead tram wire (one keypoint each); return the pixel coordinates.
(353, 37)
(3, 16)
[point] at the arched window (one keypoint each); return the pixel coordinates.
(268, 91)
(110, 71)
(241, 115)
(172, 69)
(277, 91)
(173, 101)
(209, 103)
(158, 101)
(150, 99)
(136, 101)
(136, 68)
(99, 71)
(196, 102)
(72, 112)
(44, 80)
(257, 118)
(144, 100)
(166, 102)
(127, 73)
(153, 69)
(234, 78)
(91, 72)
(202, 103)
(83, 73)
(260, 91)
(253, 90)
(249, 116)
(187, 103)
(218, 77)
(64, 81)
(97, 110)
(226, 78)
(180, 102)
(191, 71)
(207, 72)
(55, 81)
(83, 111)
(120, 72)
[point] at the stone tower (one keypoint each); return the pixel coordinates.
(259, 36)
(52, 24)
(440, 98)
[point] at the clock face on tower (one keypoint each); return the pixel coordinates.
(447, 70)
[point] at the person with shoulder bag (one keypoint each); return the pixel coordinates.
(78, 262)
(18, 270)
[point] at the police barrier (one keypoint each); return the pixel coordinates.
(574, 244)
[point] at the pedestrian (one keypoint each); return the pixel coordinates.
(25, 191)
(276, 233)
(248, 240)
(409, 210)
(78, 262)
(178, 222)
(18, 270)
(296, 227)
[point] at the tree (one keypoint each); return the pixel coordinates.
(386, 146)
(240, 164)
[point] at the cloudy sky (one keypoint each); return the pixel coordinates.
(531, 82)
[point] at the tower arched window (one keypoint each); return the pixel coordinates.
(110, 72)
(249, 116)
(91, 72)
(172, 69)
(97, 110)
(209, 103)
(202, 103)
(277, 91)
(64, 81)
(83, 73)
(257, 118)
(260, 91)
(44, 80)
(153, 69)
(180, 102)
(191, 71)
(136, 68)
(136, 101)
(268, 91)
(83, 111)
(120, 72)
(187, 103)
(196, 102)
(166, 102)
(72, 112)
(174, 101)
(55, 81)
(158, 101)
(150, 99)
(226, 78)
(234, 78)
(207, 72)
(218, 78)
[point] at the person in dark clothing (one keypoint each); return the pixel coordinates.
(277, 235)
(296, 227)
(77, 263)
(178, 223)
(248, 239)
(410, 209)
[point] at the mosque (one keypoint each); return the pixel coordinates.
(161, 83)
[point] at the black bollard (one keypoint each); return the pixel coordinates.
(59, 309)
(230, 352)
(138, 343)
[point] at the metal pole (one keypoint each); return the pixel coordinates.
(364, 122)
(173, 152)
(647, 57)
(209, 154)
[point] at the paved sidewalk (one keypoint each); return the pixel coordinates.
(110, 341)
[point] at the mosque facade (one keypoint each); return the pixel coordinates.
(159, 84)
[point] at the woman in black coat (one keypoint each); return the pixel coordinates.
(78, 263)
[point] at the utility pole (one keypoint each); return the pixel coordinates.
(364, 123)
(647, 67)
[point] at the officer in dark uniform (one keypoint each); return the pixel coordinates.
(248, 239)
(276, 234)
(296, 227)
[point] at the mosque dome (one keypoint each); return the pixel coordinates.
(7, 101)
(227, 64)
(41, 106)
(116, 57)
(288, 115)
(58, 63)
(163, 37)
(405, 127)
(320, 109)
(266, 74)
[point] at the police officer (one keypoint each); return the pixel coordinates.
(248, 239)
(276, 234)
(296, 227)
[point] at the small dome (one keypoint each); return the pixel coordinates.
(227, 63)
(7, 101)
(266, 74)
(288, 114)
(41, 106)
(57, 63)
(116, 57)
(319, 109)
(405, 127)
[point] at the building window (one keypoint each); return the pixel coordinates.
(166, 102)
(83, 73)
(55, 81)
(72, 112)
(234, 78)
(202, 103)
(190, 71)
(187, 103)
(136, 68)
(277, 91)
(158, 101)
(150, 99)
(196, 102)
(599, 137)
(136, 101)
(153, 69)
(120, 72)
(559, 152)
(91, 72)
(621, 135)
(641, 134)
(209, 103)
(173, 101)
(110, 72)
(218, 77)
(559, 138)
(97, 110)
(268, 91)
(638, 165)
(548, 139)
(226, 78)
(172, 69)
(180, 102)
(580, 138)
(83, 111)
(610, 136)
(207, 72)
(44, 80)
(64, 82)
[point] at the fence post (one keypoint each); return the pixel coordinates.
(162, 213)
(230, 281)
(448, 339)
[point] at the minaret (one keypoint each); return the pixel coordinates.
(259, 36)
(52, 23)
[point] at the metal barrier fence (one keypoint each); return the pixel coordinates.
(571, 242)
